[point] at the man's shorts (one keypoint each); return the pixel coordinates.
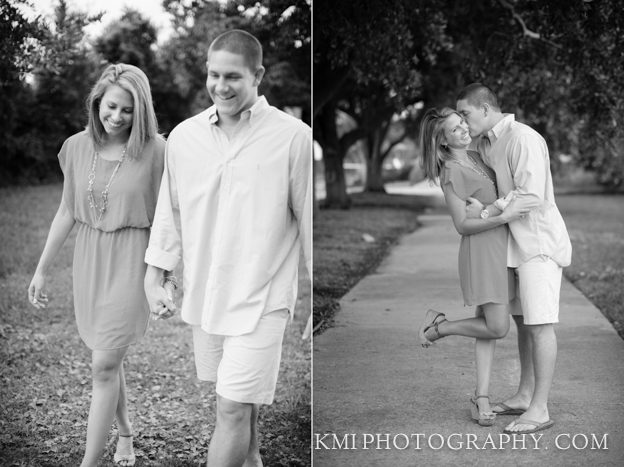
(538, 285)
(244, 367)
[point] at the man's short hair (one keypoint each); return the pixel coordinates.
(239, 42)
(478, 94)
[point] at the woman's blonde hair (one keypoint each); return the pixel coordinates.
(434, 152)
(144, 123)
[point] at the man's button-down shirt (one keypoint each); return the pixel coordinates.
(237, 211)
(519, 156)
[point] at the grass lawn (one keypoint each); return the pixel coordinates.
(595, 223)
(348, 244)
(45, 372)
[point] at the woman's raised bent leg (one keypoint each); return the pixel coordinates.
(491, 322)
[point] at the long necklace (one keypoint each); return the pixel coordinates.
(101, 209)
(474, 166)
(477, 168)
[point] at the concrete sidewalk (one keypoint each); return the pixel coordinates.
(382, 400)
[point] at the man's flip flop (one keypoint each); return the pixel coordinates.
(537, 426)
(506, 409)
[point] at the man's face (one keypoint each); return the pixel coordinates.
(473, 116)
(231, 84)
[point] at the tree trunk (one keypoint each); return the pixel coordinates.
(374, 176)
(333, 158)
(335, 185)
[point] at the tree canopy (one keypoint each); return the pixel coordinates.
(368, 61)
(48, 68)
(552, 63)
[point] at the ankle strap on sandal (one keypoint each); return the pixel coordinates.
(482, 397)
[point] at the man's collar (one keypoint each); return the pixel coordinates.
(256, 110)
(212, 114)
(250, 114)
(500, 127)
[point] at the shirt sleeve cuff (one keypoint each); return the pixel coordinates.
(500, 204)
(161, 259)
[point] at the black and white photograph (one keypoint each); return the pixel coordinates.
(156, 243)
(311, 233)
(468, 261)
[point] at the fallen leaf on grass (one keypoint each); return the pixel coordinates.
(368, 238)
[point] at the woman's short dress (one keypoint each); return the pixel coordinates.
(108, 269)
(483, 272)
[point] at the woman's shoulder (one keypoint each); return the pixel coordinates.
(82, 137)
(156, 147)
(154, 153)
(453, 173)
(75, 146)
(155, 143)
(152, 148)
(159, 142)
(451, 168)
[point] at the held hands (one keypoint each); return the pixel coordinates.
(473, 208)
(36, 296)
(160, 300)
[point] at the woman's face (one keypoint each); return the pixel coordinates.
(116, 111)
(456, 132)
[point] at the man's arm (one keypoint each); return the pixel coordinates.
(528, 159)
(165, 246)
(474, 208)
(300, 199)
(469, 226)
(159, 291)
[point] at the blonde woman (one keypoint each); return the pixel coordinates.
(485, 280)
(112, 173)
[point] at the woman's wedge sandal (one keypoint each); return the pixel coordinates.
(432, 320)
(482, 418)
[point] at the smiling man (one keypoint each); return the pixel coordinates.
(235, 207)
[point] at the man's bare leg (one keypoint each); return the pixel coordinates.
(253, 455)
(522, 398)
(544, 353)
(230, 443)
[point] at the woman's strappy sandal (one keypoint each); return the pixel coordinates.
(432, 320)
(482, 418)
(125, 459)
